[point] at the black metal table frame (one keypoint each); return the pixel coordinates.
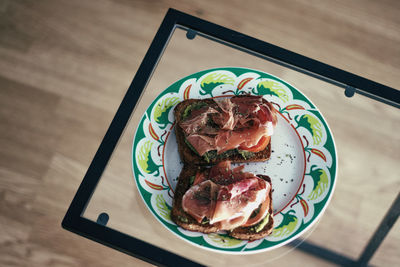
(99, 232)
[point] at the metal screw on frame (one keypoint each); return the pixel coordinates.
(349, 91)
(191, 34)
(103, 219)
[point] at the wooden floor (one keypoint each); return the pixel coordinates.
(65, 65)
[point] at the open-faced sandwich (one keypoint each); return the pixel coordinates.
(235, 128)
(211, 199)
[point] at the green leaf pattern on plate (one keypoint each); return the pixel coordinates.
(272, 88)
(213, 80)
(321, 182)
(298, 110)
(224, 240)
(163, 209)
(287, 226)
(161, 110)
(145, 160)
(312, 124)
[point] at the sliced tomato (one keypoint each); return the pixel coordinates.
(260, 215)
(261, 145)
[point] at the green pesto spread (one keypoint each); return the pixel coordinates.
(259, 226)
(191, 179)
(205, 220)
(210, 155)
(189, 108)
(246, 154)
(183, 219)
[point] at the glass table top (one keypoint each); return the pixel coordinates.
(362, 129)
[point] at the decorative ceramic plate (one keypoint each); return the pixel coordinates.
(303, 163)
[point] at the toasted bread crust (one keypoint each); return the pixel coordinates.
(184, 220)
(188, 156)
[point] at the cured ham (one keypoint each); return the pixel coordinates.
(225, 119)
(197, 119)
(202, 143)
(227, 197)
(199, 201)
(229, 123)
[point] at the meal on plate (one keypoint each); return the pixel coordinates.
(217, 197)
(211, 199)
(235, 128)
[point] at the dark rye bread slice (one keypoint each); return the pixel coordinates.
(189, 156)
(184, 220)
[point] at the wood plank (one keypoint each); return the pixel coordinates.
(65, 66)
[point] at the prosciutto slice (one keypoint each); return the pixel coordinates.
(197, 120)
(228, 197)
(202, 143)
(250, 137)
(199, 201)
(225, 119)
